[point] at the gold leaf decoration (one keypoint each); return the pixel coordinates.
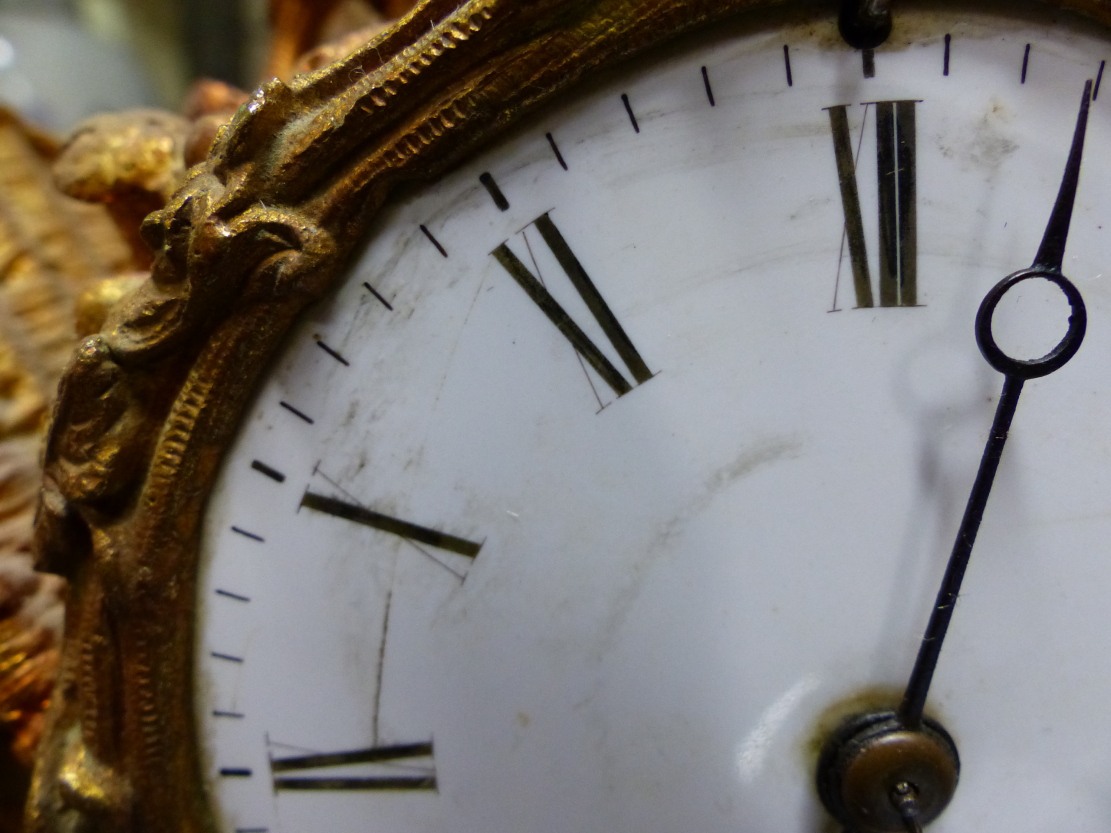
(52, 249)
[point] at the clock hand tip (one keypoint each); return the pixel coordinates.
(1051, 253)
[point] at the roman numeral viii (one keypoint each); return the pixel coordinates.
(536, 290)
(419, 777)
(896, 160)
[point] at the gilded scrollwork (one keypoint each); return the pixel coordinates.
(147, 407)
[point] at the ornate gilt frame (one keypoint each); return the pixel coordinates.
(147, 406)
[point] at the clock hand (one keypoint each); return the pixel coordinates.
(1051, 254)
(1047, 265)
(890, 772)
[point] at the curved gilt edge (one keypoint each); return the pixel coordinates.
(147, 406)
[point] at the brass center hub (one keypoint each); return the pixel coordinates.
(874, 773)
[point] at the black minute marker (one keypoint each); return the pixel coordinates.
(787, 63)
(709, 89)
(273, 474)
(333, 353)
(296, 412)
(228, 594)
(1025, 62)
(495, 192)
(1099, 79)
(227, 657)
(235, 772)
(375, 293)
(948, 43)
(247, 534)
(433, 241)
(555, 150)
(629, 110)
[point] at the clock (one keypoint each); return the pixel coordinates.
(559, 416)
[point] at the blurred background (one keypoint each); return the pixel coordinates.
(63, 60)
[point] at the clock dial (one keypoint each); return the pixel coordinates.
(627, 457)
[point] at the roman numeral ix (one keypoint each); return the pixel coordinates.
(594, 302)
(421, 777)
(395, 526)
(896, 163)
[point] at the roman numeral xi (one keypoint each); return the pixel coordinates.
(896, 160)
(574, 270)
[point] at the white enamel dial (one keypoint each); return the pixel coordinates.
(649, 605)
